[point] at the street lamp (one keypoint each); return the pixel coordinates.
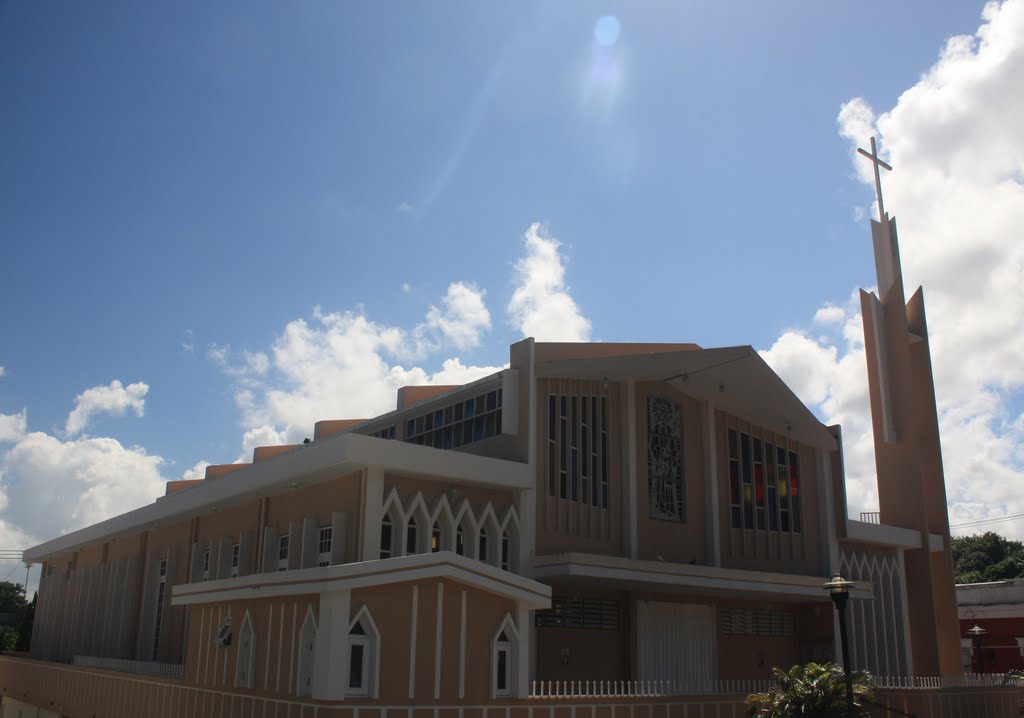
(978, 635)
(839, 590)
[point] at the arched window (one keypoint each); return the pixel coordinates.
(385, 537)
(504, 655)
(411, 532)
(307, 654)
(363, 656)
(246, 653)
(460, 541)
(506, 550)
(435, 538)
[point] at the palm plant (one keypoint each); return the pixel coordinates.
(814, 690)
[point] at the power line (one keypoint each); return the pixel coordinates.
(987, 521)
(16, 566)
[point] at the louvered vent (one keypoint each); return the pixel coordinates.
(594, 613)
(756, 622)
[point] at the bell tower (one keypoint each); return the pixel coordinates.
(908, 454)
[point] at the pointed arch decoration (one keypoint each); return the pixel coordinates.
(489, 536)
(363, 656)
(246, 657)
(504, 658)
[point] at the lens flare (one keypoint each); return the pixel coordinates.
(606, 30)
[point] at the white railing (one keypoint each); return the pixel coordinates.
(655, 689)
(145, 668)
(963, 680)
(643, 689)
(871, 517)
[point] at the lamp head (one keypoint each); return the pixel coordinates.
(837, 585)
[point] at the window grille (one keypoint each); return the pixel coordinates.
(756, 622)
(592, 613)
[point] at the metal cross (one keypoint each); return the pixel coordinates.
(873, 156)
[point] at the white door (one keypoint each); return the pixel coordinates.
(676, 642)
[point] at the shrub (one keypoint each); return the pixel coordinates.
(815, 690)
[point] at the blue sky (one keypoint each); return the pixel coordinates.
(180, 184)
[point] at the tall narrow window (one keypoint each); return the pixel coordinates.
(358, 660)
(435, 538)
(577, 448)
(481, 546)
(410, 536)
(159, 613)
(283, 549)
(236, 552)
(385, 537)
(206, 565)
(503, 666)
(324, 546)
(505, 550)
(363, 656)
(764, 482)
(504, 649)
(460, 541)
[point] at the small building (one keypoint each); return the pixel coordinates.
(998, 608)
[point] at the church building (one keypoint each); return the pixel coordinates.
(595, 513)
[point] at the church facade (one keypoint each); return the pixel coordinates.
(595, 513)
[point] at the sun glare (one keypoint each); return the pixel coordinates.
(606, 30)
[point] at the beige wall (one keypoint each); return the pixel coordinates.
(753, 656)
(593, 654)
(278, 623)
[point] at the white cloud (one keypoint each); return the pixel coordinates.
(956, 143)
(463, 319)
(13, 426)
(829, 314)
(405, 208)
(344, 365)
(196, 471)
(2, 371)
(114, 399)
(406, 287)
(50, 487)
(541, 305)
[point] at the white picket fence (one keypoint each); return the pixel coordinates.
(654, 689)
(641, 689)
(962, 680)
(145, 668)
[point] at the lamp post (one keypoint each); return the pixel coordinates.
(978, 635)
(839, 591)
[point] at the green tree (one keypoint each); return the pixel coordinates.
(814, 690)
(987, 557)
(12, 600)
